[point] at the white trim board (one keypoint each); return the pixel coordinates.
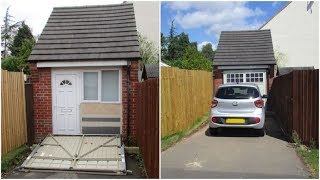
(83, 63)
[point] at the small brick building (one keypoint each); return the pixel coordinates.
(244, 57)
(84, 71)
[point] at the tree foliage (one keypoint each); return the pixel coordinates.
(177, 50)
(21, 47)
(148, 51)
(8, 30)
(281, 58)
(164, 46)
(193, 59)
(24, 33)
(19, 62)
(207, 51)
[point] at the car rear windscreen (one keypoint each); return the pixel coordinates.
(237, 92)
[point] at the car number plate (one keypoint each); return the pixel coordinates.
(235, 121)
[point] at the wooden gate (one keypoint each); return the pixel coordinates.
(148, 125)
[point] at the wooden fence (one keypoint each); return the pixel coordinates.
(13, 111)
(148, 125)
(294, 98)
(185, 96)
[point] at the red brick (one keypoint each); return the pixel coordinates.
(42, 105)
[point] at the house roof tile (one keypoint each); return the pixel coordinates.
(104, 32)
(244, 48)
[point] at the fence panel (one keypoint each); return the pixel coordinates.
(148, 125)
(185, 96)
(13, 111)
(294, 99)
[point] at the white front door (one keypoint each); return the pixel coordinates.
(65, 104)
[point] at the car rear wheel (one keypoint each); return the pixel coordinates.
(213, 131)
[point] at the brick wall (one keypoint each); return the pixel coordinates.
(41, 82)
(133, 99)
(217, 79)
(42, 101)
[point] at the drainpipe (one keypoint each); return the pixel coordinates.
(128, 100)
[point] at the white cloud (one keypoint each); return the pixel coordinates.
(214, 17)
(37, 12)
(275, 3)
(179, 5)
(200, 45)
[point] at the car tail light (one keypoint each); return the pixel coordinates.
(214, 103)
(259, 103)
(213, 119)
(256, 120)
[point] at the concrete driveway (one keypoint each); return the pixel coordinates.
(234, 153)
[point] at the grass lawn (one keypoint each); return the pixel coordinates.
(310, 156)
(170, 140)
(13, 158)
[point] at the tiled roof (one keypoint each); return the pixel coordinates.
(245, 48)
(106, 32)
(152, 70)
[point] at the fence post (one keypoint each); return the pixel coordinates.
(29, 113)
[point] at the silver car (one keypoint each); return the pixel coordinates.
(237, 106)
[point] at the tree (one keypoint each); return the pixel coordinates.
(281, 58)
(148, 51)
(8, 29)
(193, 59)
(172, 43)
(207, 51)
(19, 63)
(172, 31)
(177, 46)
(24, 32)
(164, 45)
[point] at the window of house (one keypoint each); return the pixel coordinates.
(101, 86)
(90, 85)
(110, 86)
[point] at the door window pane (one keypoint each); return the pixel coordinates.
(110, 85)
(90, 82)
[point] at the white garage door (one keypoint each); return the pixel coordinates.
(257, 77)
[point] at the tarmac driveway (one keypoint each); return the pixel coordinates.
(234, 153)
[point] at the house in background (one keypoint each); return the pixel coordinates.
(244, 57)
(84, 71)
(295, 34)
(147, 26)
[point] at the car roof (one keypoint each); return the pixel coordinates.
(239, 84)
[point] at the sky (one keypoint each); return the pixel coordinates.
(203, 21)
(36, 12)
